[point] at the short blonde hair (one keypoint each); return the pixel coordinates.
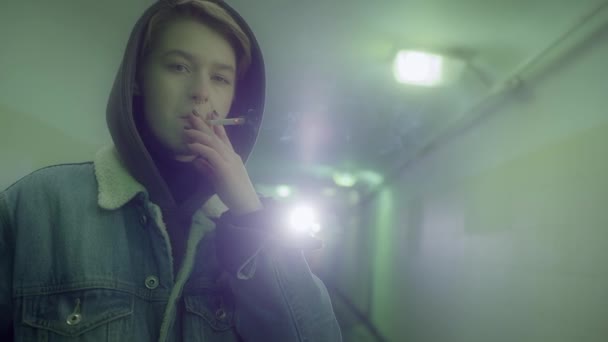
(209, 13)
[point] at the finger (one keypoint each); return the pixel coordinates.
(199, 124)
(211, 155)
(221, 132)
(208, 139)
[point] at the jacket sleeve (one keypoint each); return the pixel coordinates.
(277, 296)
(6, 278)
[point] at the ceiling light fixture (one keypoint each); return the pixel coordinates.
(425, 69)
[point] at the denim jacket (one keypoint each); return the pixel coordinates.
(85, 256)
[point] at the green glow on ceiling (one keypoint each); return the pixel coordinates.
(284, 191)
(370, 177)
(344, 179)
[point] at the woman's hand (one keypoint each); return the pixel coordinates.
(217, 160)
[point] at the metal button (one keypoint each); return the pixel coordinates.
(151, 282)
(220, 314)
(73, 319)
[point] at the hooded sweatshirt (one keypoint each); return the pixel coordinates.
(176, 187)
(84, 255)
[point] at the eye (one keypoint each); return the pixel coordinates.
(220, 78)
(178, 67)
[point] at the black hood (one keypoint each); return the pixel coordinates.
(121, 120)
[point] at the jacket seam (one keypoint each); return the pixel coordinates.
(46, 167)
(53, 290)
(4, 214)
(292, 314)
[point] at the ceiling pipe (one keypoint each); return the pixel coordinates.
(514, 80)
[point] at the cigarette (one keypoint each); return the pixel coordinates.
(226, 122)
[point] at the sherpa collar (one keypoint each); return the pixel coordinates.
(116, 186)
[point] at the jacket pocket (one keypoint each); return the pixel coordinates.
(209, 317)
(82, 315)
(213, 308)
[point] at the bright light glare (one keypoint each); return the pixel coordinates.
(303, 219)
(283, 191)
(316, 228)
(419, 68)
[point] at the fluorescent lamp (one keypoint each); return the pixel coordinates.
(283, 191)
(344, 179)
(418, 68)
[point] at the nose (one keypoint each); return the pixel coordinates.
(200, 92)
